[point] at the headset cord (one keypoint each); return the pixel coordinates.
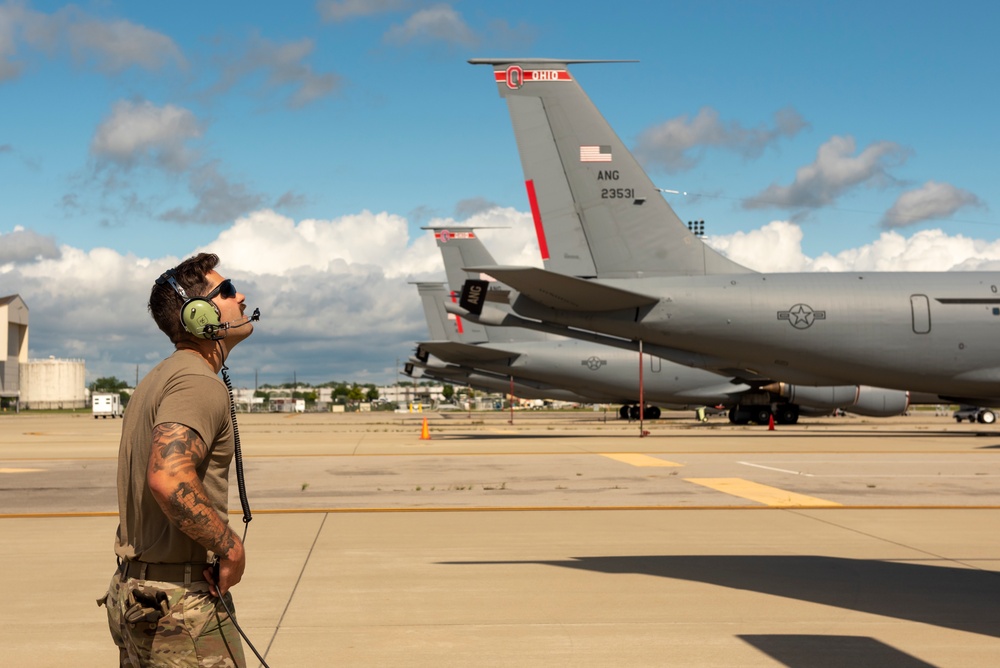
(241, 485)
(232, 616)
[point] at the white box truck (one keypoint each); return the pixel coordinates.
(106, 404)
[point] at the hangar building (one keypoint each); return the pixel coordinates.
(34, 384)
(13, 346)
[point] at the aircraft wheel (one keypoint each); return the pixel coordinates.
(987, 417)
(972, 418)
(633, 412)
(653, 412)
(787, 414)
(762, 416)
(739, 415)
(623, 413)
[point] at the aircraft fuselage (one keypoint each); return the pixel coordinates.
(931, 332)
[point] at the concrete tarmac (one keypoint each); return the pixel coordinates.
(559, 540)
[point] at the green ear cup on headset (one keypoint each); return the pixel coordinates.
(200, 317)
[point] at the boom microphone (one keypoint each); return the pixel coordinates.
(220, 331)
(246, 320)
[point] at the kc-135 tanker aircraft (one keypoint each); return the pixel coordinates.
(558, 367)
(621, 268)
(591, 372)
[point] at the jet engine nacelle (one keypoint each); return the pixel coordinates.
(879, 402)
(838, 396)
(858, 399)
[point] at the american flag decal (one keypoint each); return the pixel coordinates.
(595, 154)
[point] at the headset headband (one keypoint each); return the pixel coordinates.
(168, 277)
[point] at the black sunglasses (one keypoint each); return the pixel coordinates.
(225, 289)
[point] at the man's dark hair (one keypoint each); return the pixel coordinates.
(164, 302)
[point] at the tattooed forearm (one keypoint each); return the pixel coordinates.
(172, 473)
(191, 511)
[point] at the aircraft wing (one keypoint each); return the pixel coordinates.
(455, 352)
(567, 293)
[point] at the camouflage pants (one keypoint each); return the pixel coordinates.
(182, 626)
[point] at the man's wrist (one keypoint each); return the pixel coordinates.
(231, 547)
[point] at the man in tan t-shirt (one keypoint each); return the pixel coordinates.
(178, 441)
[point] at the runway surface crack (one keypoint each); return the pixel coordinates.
(298, 580)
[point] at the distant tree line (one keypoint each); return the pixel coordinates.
(341, 391)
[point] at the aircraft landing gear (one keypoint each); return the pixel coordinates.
(783, 414)
(632, 412)
(786, 414)
(739, 415)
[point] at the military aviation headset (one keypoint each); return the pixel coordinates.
(199, 316)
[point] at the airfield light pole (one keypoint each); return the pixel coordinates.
(511, 421)
(642, 432)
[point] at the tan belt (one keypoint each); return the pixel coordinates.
(185, 573)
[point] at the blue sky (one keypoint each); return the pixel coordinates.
(306, 143)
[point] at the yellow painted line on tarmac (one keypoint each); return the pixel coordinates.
(637, 459)
(20, 470)
(769, 496)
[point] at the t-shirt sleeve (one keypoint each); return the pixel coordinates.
(198, 402)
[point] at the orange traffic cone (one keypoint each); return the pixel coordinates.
(770, 423)
(425, 434)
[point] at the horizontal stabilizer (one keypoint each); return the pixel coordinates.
(566, 293)
(454, 352)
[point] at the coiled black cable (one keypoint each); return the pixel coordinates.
(240, 483)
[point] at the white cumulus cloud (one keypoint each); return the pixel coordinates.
(777, 247)
(335, 295)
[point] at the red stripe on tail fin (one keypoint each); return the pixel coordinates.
(543, 245)
(458, 318)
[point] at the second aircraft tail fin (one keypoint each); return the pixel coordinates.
(461, 247)
(445, 326)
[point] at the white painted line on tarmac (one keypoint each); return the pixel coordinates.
(771, 468)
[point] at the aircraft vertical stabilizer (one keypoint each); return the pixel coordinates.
(461, 247)
(596, 212)
(445, 326)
